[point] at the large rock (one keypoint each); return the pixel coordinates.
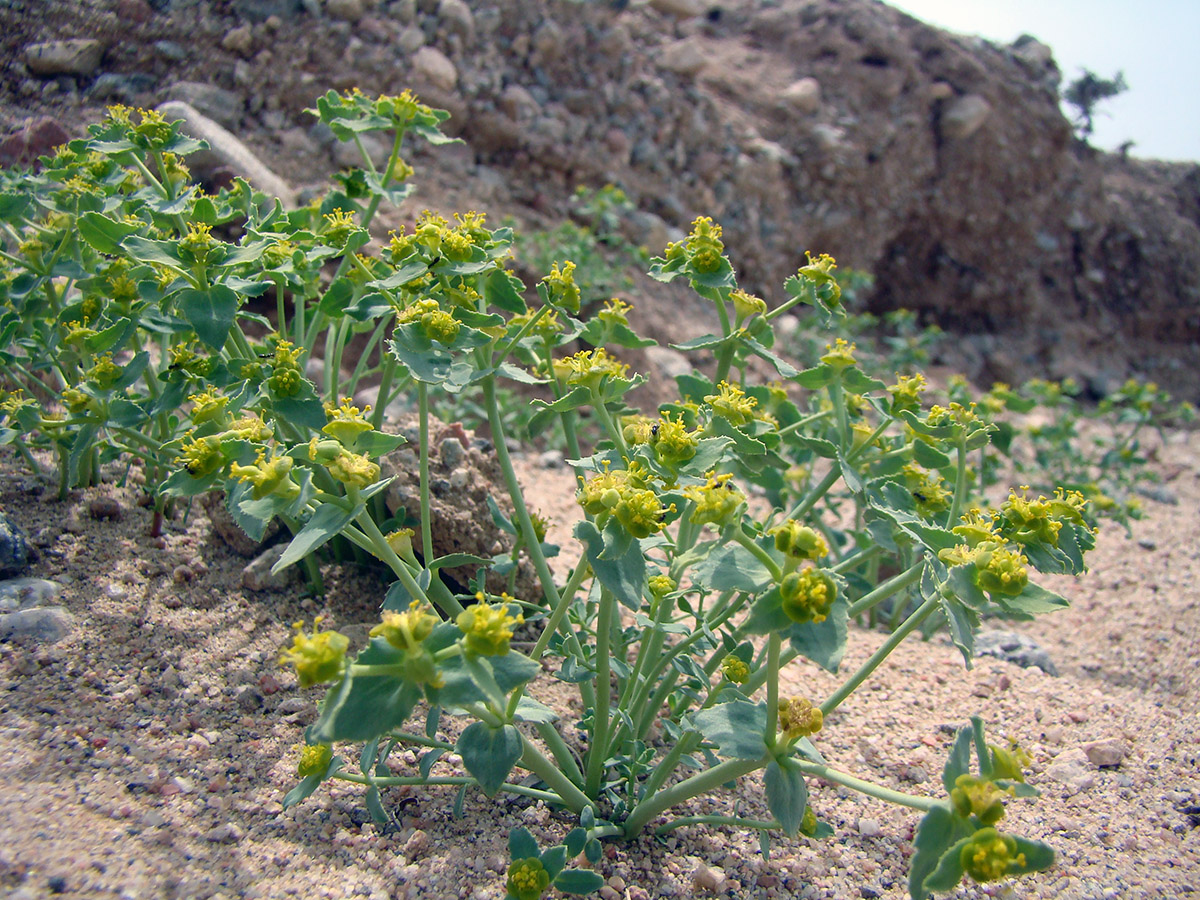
(225, 152)
(222, 106)
(77, 56)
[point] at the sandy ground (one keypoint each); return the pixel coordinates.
(146, 753)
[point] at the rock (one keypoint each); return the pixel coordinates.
(679, 9)
(75, 56)
(869, 828)
(434, 68)
(706, 879)
(551, 459)
(1105, 753)
(257, 576)
(669, 363)
(962, 117)
(229, 833)
(38, 138)
(1014, 648)
(1070, 769)
(260, 10)
(457, 18)
(42, 624)
(684, 57)
(804, 96)
(222, 106)
(226, 152)
(548, 42)
(172, 51)
(105, 508)
(345, 10)
(239, 40)
(461, 519)
(248, 698)
(230, 532)
(516, 102)
(417, 845)
(111, 86)
(23, 593)
(15, 552)
(411, 39)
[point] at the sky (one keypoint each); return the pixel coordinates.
(1152, 41)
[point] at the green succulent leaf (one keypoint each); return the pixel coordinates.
(489, 754)
(787, 794)
(736, 728)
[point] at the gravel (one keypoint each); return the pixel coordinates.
(146, 752)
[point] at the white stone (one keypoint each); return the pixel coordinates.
(683, 57)
(79, 56)
(434, 66)
(961, 118)
(803, 96)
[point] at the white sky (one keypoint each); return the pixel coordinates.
(1154, 42)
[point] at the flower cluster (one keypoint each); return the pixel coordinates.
(799, 718)
(317, 657)
(808, 595)
(487, 628)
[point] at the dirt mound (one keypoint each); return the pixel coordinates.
(941, 163)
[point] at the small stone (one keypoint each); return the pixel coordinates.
(457, 18)
(451, 452)
(684, 57)
(222, 106)
(154, 819)
(77, 56)
(257, 576)
(804, 95)
(345, 10)
(869, 828)
(706, 879)
(417, 845)
(269, 684)
(248, 698)
(183, 574)
(411, 39)
(43, 624)
(1105, 753)
(1148, 544)
(551, 459)
(1014, 648)
(679, 9)
(15, 552)
(1070, 769)
(239, 40)
(229, 833)
(23, 593)
(435, 68)
(962, 117)
(669, 363)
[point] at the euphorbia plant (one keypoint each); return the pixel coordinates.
(688, 599)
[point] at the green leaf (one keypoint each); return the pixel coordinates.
(785, 369)
(959, 761)
(530, 710)
(624, 576)
(376, 443)
(327, 521)
(165, 253)
(929, 457)
(949, 871)
(521, 845)
(489, 754)
(736, 728)
(816, 378)
(767, 615)
(210, 312)
(1033, 600)
(502, 289)
(365, 707)
(939, 830)
(578, 881)
(732, 568)
(824, 642)
(103, 233)
(699, 343)
(787, 794)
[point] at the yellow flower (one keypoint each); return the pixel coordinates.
(982, 799)
(799, 541)
(717, 501)
(735, 669)
(354, 470)
(839, 354)
(314, 759)
(561, 287)
(808, 595)
(589, 368)
(269, 476)
(731, 403)
(704, 246)
(346, 422)
(527, 879)
(318, 657)
(991, 855)
(799, 718)
(406, 630)
(202, 456)
(488, 628)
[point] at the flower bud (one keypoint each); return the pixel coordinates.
(527, 879)
(808, 595)
(488, 628)
(314, 759)
(317, 657)
(799, 541)
(990, 855)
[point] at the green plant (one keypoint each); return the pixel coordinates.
(1086, 92)
(685, 605)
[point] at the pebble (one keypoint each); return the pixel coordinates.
(434, 67)
(869, 828)
(22, 593)
(1014, 648)
(75, 56)
(239, 40)
(42, 624)
(229, 833)
(222, 106)
(248, 698)
(963, 116)
(452, 453)
(257, 575)
(1070, 769)
(706, 879)
(15, 552)
(345, 10)
(417, 845)
(1105, 753)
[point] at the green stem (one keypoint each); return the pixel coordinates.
(700, 783)
(910, 624)
(924, 804)
(560, 751)
(739, 535)
(598, 743)
(774, 643)
(568, 794)
(736, 821)
(892, 586)
(426, 515)
(960, 483)
(385, 385)
(800, 510)
(396, 780)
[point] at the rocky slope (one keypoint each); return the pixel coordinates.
(941, 163)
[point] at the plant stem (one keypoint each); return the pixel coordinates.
(395, 780)
(920, 615)
(912, 801)
(426, 515)
(774, 643)
(598, 743)
(736, 821)
(700, 783)
(892, 586)
(561, 752)
(568, 794)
